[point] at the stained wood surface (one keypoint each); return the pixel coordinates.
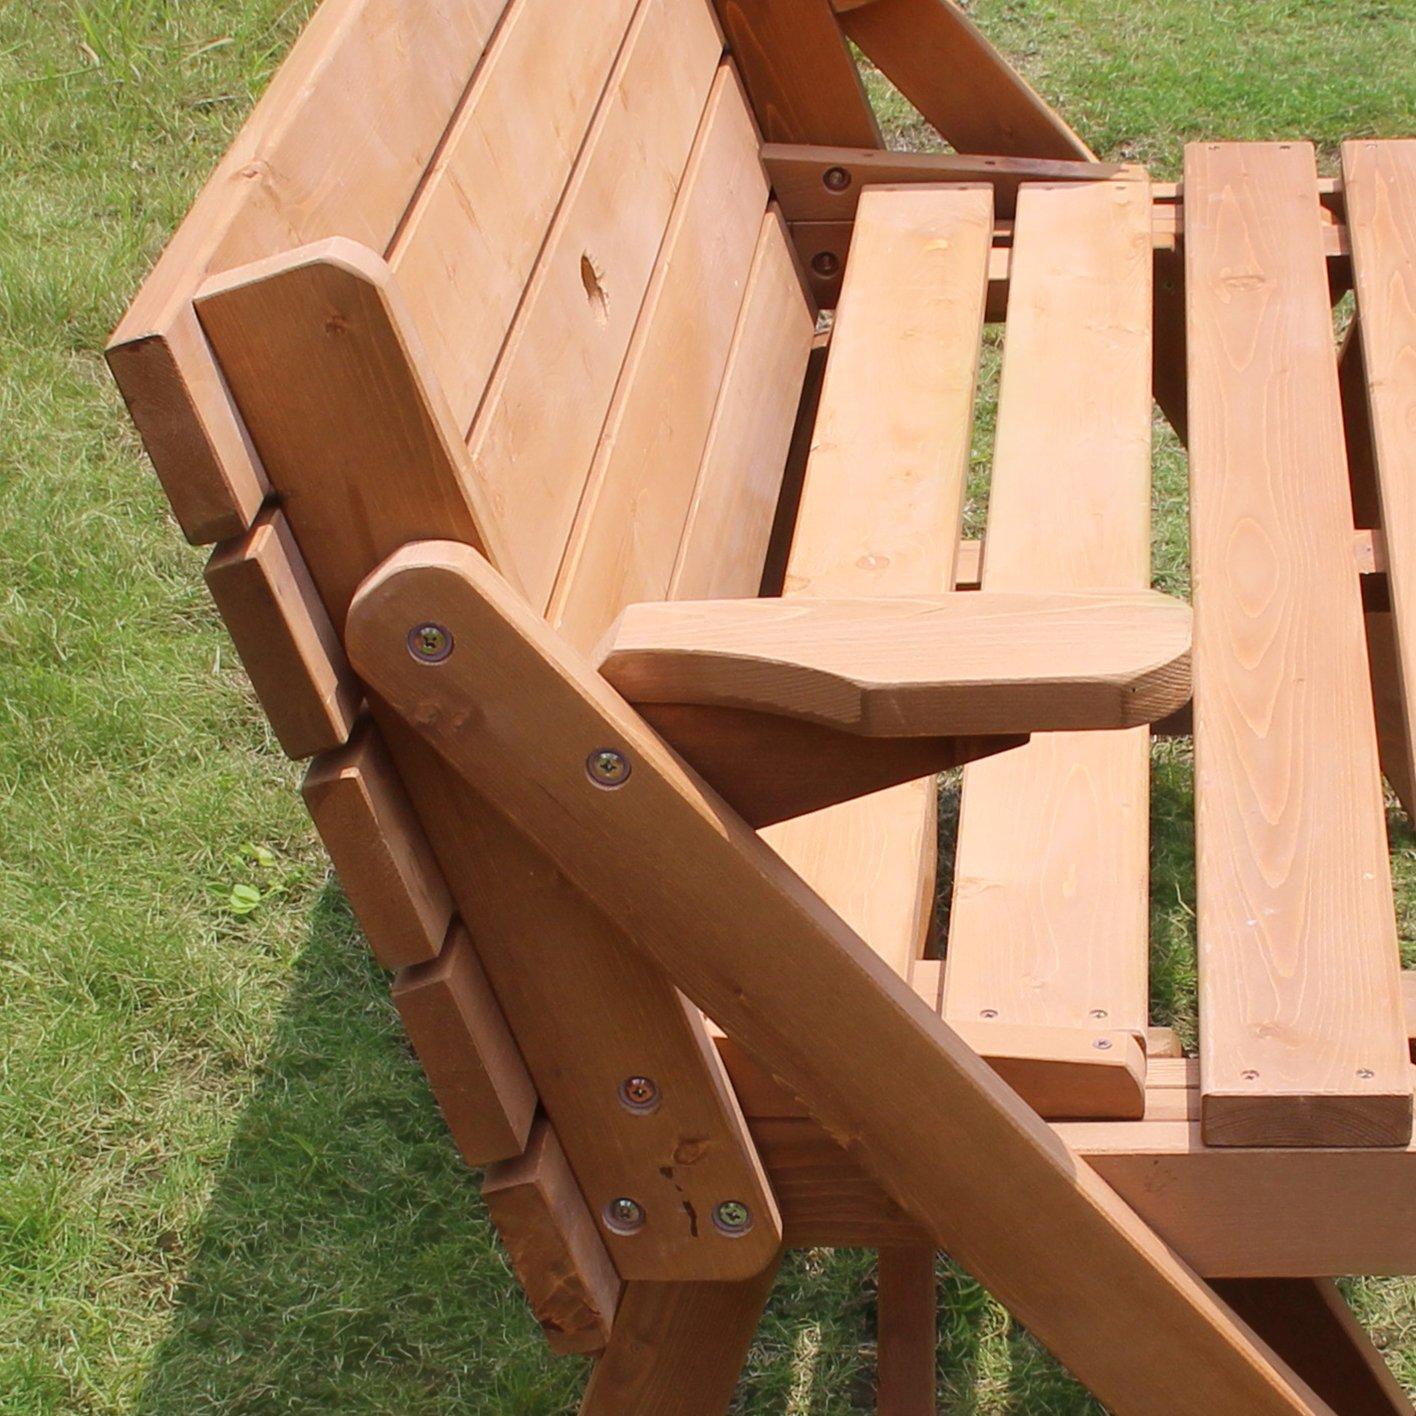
(997, 661)
(626, 534)
(939, 59)
(552, 1242)
(799, 71)
(880, 510)
(704, 892)
(286, 641)
(906, 1332)
(1049, 927)
(1379, 180)
(677, 1347)
(1309, 1321)
(374, 838)
(470, 241)
(726, 533)
(1300, 1028)
(336, 147)
(472, 1061)
(534, 440)
(819, 183)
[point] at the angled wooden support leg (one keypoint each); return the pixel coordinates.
(906, 1332)
(512, 708)
(1309, 1322)
(677, 1348)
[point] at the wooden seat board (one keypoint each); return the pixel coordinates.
(881, 508)
(1301, 1035)
(534, 440)
(1049, 925)
(1379, 180)
(626, 535)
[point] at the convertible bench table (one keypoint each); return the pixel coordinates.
(581, 399)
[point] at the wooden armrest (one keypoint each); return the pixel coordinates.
(971, 665)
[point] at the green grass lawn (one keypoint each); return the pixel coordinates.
(223, 1185)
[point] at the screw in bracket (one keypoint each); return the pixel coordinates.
(429, 643)
(835, 179)
(624, 1215)
(607, 768)
(1102, 1044)
(825, 263)
(732, 1217)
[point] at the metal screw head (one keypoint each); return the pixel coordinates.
(1365, 1073)
(624, 1215)
(607, 768)
(1249, 1075)
(825, 263)
(1097, 1013)
(836, 179)
(639, 1094)
(988, 1012)
(429, 643)
(1102, 1044)
(732, 1217)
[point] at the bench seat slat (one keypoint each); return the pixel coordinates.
(1049, 926)
(1301, 1034)
(534, 440)
(626, 535)
(881, 509)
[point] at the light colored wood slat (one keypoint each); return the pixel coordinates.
(728, 527)
(677, 1347)
(570, 1283)
(704, 894)
(939, 59)
(534, 440)
(803, 81)
(968, 574)
(906, 1332)
(997, 661)
(1050, 920)
(1232, 1212)
(462, 1040)
(470, 243)
(1408, 994)
(626, 533)
(1380, 187)
(881, 507)
(297, 172)
(384, 862)
(285, 639)
(1301, 1034)
(1309, 1322)
(818, 183)
(315, 345)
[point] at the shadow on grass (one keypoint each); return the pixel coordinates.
(345, 1262)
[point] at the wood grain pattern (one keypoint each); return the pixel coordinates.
(470, 241)
(462, 1040)
(1301, 1036)
(880, 509)
(534, 440)
(726, 533)
(554, 1249)
(373, 836)
(626, 534)
(1379, 180)
(800, 74)
(940, 60)
(286, 641)
(996, 661)
(336, 147)
(906, 1332)
(1050, 920)
(677, 1347)
(704, 892)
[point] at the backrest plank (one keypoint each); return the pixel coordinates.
(336, 147)
(468, 246)
(1301, 1034)
(881, 508)
(625, 538)
(803, 80)
(1049, 927)
(533, 442)
(729, 523)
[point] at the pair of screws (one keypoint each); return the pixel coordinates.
(626, 1216)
